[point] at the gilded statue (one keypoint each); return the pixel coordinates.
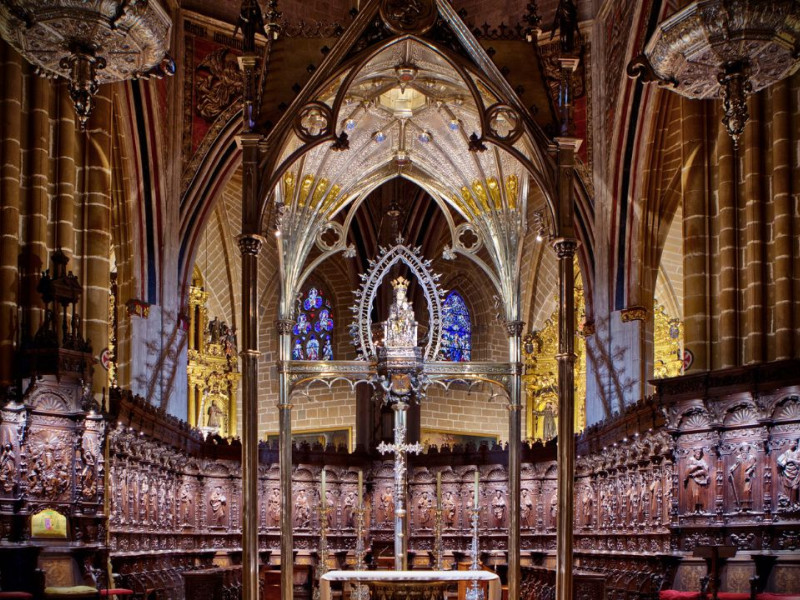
(400, 330)
(218, 502)
(696, 480)
(789, 471)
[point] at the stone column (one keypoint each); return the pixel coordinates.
(34, 184)
(696, 255)
(782, 234)
(754, 292)
(66, 171)
(755, 323)
(565, 246)
(514, 330)
(726, 350)
(95, 238)
(10, 165)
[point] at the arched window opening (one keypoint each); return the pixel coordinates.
(456, 329)
(312, 329)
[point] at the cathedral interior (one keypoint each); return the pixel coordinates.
(400, 299)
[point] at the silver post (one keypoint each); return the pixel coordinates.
(475, 592)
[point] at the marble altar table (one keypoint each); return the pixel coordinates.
(409, 577)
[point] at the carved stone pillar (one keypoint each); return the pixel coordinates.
(514, 330)
(696, 268)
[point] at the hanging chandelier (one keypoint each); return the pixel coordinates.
(723, 49)
(89, 42)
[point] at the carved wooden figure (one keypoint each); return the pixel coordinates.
(696, 481)
(788, 464)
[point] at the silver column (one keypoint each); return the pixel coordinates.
(514, 330)
(284, 327)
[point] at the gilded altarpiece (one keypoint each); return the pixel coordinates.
(540, 380)
(213, 371)
(667, 344)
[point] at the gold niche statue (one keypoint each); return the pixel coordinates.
(213, 369)
(667, 344)
(540, 381)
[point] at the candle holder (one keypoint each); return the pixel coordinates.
(437, 538)
(360, 591)
(475, 592)
(323, 546)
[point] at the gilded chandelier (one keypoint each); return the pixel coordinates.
(723, 48)
(90, 42)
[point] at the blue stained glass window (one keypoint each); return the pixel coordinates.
(312, 329)
(456, 329)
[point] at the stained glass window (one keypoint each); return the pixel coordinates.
(312, 329)
(456, 329)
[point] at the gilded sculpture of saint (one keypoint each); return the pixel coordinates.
(401, 328)
(696, 480)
